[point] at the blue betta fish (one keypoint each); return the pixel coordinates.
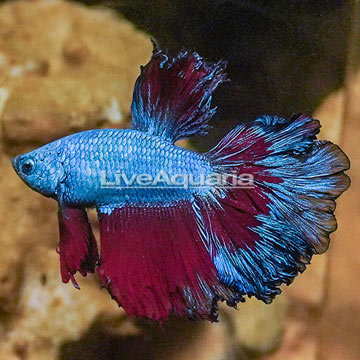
(177, 233)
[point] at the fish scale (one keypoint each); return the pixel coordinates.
(129, 152)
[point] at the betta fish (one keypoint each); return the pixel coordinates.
(181, 230)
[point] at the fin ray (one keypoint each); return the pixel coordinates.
(154, 263)
(77, 245)
(172, 96)
(263, 236)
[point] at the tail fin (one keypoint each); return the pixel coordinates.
(263, 235)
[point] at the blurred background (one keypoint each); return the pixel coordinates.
(67, 66)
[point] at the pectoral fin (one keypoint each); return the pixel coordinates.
(77, 246)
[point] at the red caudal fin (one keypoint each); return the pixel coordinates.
(77, 246)
(262, 234)
(154, 263)
(172, 95)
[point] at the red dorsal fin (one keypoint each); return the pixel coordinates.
(172, 95)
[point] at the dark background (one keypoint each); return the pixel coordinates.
(284, 56)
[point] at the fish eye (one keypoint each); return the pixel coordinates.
(28, 167)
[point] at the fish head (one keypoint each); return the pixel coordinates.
(42, 169)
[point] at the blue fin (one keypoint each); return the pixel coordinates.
(172, 96)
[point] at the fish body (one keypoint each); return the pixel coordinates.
(180, 230)
(92, 163)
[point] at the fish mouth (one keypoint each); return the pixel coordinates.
(15, 163)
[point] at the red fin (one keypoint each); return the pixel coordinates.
(77, 246)
(172, 96)
(154, 263)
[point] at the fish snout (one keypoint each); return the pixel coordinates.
(15, 163)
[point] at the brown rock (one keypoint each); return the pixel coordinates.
(257, 327)
(299, 342)
(309, 287)
(73, 70)
(341, 312)
(10, 278)
(331, 114)
(45, 109)
(50, 312)
(212, 343)
(27, 220)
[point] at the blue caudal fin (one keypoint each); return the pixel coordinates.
(172, 96)
(262, 235)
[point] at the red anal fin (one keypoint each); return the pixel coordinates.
(154, 263)
(77, 246)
